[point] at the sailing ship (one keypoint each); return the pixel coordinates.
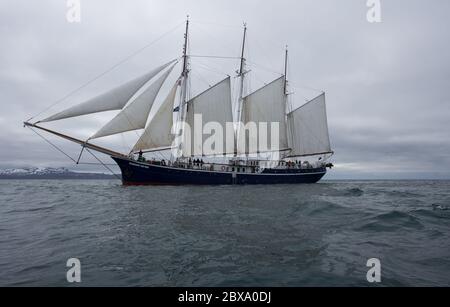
(303, 145)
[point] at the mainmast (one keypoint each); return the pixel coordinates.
(186, 33)
(241, 69)
(241, 75)
(289, 130)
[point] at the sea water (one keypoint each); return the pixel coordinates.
(287, 235)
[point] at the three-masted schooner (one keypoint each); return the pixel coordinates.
(303, 145)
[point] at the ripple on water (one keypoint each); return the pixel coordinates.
(292, 235)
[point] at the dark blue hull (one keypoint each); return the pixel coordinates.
(140, 173)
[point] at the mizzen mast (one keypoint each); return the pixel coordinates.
(285, 70)
(241, 69)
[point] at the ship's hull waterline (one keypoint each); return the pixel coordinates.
(141, 173)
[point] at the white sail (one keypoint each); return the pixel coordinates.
(114, 99)
(158, 134)
(309, 128)
(214, 105)
(134, 116)
(266, 105)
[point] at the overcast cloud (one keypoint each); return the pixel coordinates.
(387, 83)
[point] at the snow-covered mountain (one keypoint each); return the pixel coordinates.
(33, 171)
(48, 173)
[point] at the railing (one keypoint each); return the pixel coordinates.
(244, 166)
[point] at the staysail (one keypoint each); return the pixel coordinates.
(266, 105)
(214, 105)
(114, 99)
(309, 128)
(158, 134)
(205, 127)
(134, 116)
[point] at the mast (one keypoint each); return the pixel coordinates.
(241, 69)
(289, 130)
(241, 74)
(285, 70)
(185, 71)
(184, 80)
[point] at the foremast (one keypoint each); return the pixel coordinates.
(184, 91)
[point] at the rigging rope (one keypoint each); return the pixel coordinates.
(199, 77)
(56, 147)
(214, 57)
(213, 37)
(265, 68)
(308, 88)
(261, 50)
(92, 163)
(101, 162)
(72, 159)
(211, 69)
(195, 21)
(108, 70)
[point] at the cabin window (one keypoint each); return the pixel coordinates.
(232, 169)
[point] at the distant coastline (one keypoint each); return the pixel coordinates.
(50, 173)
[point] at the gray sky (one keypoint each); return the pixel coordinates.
(386, 83)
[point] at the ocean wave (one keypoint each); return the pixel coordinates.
(440, 207)
(400, 194)
(319, 207)
(295, 235)
(348, 192)
(390, 221)
(353, 192)
(47, 208)
(435, 212)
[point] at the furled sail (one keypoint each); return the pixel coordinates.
(309, 129)
(114, 99)
(214, 105)
(158, 134)
(134, 116)
(266, 105)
